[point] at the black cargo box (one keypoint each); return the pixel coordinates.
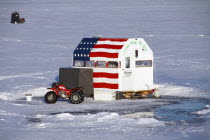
(77, 77)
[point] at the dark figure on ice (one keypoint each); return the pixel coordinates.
(15, 18)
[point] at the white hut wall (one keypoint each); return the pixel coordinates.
(139, 76)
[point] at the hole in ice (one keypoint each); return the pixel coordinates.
(182, 111)
(35, 120)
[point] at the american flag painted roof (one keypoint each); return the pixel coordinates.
(98, 47)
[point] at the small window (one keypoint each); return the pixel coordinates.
(112, 64)
(78, 63)
(89, 63)
(127, 62)
(101, 64)
(144, 63)
(136, 53)
(119, 64)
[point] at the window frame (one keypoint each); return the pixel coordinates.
(94, 64)
(149, 63)
(127, 62)
(136, 53)
(112, 67)
(80, 61)
(99, 66)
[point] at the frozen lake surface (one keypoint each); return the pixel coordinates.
(32, 53)
(168, 117)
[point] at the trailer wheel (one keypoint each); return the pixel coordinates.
(75, 98)
(50, 97)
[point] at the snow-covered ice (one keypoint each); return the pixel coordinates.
(32, 53)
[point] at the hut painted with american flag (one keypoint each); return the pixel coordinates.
(119, 65)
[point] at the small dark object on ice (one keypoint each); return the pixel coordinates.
(75, 95)
(15, 18)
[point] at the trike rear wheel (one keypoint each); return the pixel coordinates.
(75, 98)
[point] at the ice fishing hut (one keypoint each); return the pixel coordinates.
(119, 66)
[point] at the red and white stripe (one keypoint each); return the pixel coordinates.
(105, 79)
(106, 50)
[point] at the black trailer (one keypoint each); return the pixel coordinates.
(77, 77)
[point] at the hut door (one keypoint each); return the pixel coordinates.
(127, 75)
